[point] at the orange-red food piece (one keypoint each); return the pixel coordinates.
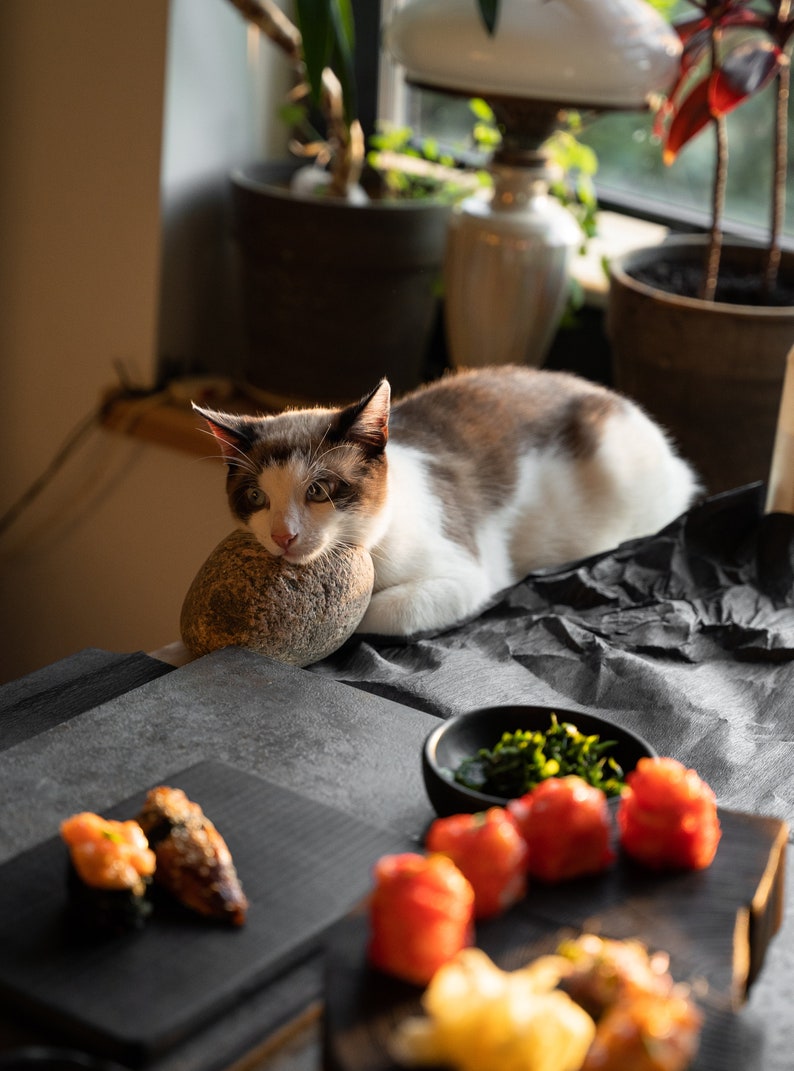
(107, 854)
(646, 1033)
(644, 1021)
(490, 851)
(421, 914)
(667, 816)
(565, 823)
(603, 971)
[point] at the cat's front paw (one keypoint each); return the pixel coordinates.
(423, 606)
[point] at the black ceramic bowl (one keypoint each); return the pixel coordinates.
(461, 737)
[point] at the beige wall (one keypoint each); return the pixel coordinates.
(104, 556)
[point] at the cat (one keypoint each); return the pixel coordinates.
(459, 489)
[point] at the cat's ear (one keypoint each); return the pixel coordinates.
(367, 422)
(232, 432)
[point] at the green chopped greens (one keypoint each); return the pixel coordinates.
(523, 759)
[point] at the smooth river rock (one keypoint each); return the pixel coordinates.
(298, 614)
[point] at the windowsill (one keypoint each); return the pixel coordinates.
(617, 235)
(166, 419)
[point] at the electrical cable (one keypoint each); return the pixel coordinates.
(144, 398)
(72, 441)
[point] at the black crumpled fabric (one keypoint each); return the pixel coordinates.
(686, 637)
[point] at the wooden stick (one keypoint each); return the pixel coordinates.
(272, 21)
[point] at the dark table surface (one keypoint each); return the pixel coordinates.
(686, 637)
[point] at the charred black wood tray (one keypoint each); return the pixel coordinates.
(302, 865)
(716, 925)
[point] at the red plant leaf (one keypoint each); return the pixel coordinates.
(743, 16)
(692, 115)
(696, 48)
(688, 28)
(720, 11)
(743, 73)
(660, 119)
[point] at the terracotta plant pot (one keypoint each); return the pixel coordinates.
(335, 295)
(710, 372)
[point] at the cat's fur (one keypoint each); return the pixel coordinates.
(458, 490)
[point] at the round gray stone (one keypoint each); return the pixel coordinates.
(244, 597)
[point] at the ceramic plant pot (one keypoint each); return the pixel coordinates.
(336, 295)
(710, 372)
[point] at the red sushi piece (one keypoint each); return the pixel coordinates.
(565, 823)
(421, 914)
(490, 851)
(667, 817)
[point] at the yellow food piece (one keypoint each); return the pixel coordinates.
(481, 1018)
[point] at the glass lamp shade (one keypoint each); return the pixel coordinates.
(577, 53)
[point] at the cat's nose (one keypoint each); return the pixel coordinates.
(284, 539)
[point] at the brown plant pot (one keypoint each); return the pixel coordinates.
(710, 372)
(335, 295)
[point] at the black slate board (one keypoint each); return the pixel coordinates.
(302, 865)
(715, 924)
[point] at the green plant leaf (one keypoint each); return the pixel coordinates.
(314, 23)
(328, 33)
(292, 114)
(664, 7)
(489, 10)
(343, 53)
(481, 109)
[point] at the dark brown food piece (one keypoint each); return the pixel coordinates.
(193, 861)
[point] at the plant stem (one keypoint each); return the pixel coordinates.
(347, 139)
(772, 264)
(714, 248)
(711, 269)
(272, 21)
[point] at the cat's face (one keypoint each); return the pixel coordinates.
(309, 480)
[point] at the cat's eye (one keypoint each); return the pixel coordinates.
(321, 490)
(256, 497)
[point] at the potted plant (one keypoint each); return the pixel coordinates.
(343, 258)
(340, 278)
(700, 328)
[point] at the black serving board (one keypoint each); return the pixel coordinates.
(302, 866)
(716, 925)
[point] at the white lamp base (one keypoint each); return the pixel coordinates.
(507, 271)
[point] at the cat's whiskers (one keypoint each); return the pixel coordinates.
(377, 556)
(243, 462)
(240, 466)
(318, 473)
(313, 459)
(208, 457)
(313, 455)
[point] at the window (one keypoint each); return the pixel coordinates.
(632, 176)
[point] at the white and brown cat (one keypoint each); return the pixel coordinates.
(459, 489)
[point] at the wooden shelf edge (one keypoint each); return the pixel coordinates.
(160, 421)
